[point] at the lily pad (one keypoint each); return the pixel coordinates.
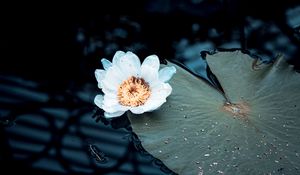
(254, 128)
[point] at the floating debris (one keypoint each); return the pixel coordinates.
(98, 155)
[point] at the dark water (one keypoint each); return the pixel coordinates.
(49, 124)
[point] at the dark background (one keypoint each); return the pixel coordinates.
(49, 53)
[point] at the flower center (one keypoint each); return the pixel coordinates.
(133, 92)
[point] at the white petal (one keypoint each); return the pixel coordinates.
(149, 69)
(114, 114)
(110, 99)
(149, 74)
(137, 110)
(108, 90)
(166, 73)
(129, 64)
(117, 56)
(99, 100)
(112, 81)
(158, 97)
(106, 63)
(151, 61)
(114, 108)
(100, 75)
(111, 104)
(154, 103)
(162, 90)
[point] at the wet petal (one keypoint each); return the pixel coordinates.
(110, 99)
(113, 79)
(158, 96)
(100, 75)
(149, 74)
(151, 61)
(166, 73)
(99, 100)
(114, 108)
(137, 110)
(117, 56)
(111, 103)
(113, 114)
(154, 103)
(106, 63)
(129, 64)
(149, 69)
(163, 90)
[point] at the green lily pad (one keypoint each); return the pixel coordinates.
(253, 129)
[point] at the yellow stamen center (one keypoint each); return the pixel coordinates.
(133, 92)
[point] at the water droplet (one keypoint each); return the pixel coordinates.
(7, 123)
(235, 110)
(202, 130)
(185, 116)
(274, 118)
(185, 139)
(219, 135)
(284, 126)
(160, 151)
(276, 161)
(221, 172)
(146, 124)
(176, 157)
(200, 171)
(215, 163)
(197, 162)
(206, 155)
(297, 154)
(181, 109)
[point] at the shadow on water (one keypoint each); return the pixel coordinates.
(42, 134)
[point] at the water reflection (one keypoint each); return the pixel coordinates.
(48, 122)
(49, 136)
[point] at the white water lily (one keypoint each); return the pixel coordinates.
(129, 85)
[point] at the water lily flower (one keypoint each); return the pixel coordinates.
(129, 85)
